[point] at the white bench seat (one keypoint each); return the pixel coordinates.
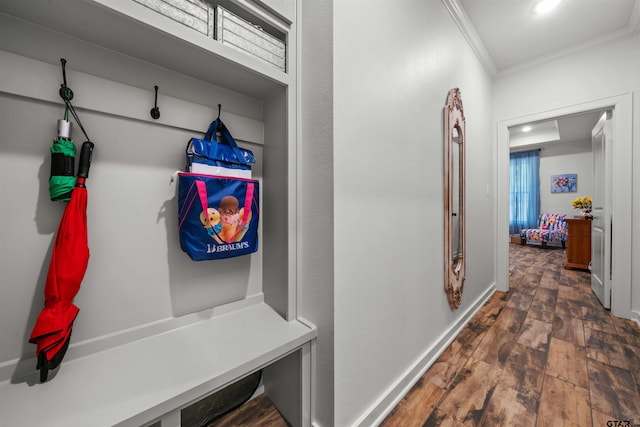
(138, 382)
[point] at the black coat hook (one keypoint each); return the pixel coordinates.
(219, 129)
(65, 93)
(155, 111)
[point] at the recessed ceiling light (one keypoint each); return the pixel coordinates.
(526, 128)
(545, 6)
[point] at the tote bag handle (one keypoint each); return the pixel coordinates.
(226, 138)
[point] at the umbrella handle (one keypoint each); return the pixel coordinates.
(85, 159)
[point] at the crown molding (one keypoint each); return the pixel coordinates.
(470, 33)
(632, 29)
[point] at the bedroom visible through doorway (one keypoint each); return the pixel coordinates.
(621, 157)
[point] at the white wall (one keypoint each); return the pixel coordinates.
(586, 76)
(394, 63)
(137, 276)
(556, 160)
(316, 197)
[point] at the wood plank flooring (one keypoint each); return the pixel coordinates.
(544, 354)
(259, 411)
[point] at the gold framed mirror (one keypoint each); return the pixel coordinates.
(454, 198)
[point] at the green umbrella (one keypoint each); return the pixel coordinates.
(63, 153)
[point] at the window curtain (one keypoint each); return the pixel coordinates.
(524, 186)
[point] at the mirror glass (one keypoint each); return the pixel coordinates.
(455, 195)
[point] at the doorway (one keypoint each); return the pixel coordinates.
(621, 194)
(564, 157)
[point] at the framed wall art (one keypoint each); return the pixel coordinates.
(564, 183)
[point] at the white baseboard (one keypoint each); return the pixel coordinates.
(394, 394)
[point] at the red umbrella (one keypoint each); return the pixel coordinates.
(69, 261)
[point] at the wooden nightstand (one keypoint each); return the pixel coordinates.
(578, 243)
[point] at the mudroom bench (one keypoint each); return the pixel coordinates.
(147, 382)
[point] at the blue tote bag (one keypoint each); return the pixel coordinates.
(218, 154)
(217, 216)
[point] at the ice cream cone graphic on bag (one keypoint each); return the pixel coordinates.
(231, 216)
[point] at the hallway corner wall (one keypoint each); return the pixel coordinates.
(393, 67)
(315, 143)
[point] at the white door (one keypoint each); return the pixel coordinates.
(601, 140)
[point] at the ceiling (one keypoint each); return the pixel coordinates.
(573, 132)
(508, 35)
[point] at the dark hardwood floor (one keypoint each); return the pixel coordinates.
(256, 412)
(544, 354)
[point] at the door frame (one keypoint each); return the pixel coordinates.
(621, 206)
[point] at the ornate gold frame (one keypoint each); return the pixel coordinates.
(454, 272)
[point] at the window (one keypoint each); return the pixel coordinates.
(524, 190)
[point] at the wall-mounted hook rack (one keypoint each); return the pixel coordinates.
(219, 129)
(155, 111)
